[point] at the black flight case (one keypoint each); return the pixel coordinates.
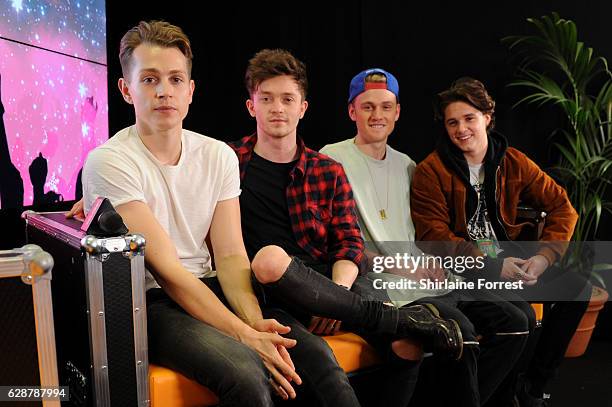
(27, 338)
(100, 311)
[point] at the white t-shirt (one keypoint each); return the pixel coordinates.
(379, 184)
(182, 197)
(396, 233)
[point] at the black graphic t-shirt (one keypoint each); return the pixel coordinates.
(479, 225)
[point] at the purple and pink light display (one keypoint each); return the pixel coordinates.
(53, 88)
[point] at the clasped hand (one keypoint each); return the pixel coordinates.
(272, 348)
(516, 269)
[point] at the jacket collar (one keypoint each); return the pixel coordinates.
(453, 157)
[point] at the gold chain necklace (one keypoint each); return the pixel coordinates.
(382, 212)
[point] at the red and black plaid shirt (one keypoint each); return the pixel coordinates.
(320, 202)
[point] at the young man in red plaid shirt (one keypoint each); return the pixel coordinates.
(300, 230)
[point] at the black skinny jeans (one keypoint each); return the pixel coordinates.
(233, 371)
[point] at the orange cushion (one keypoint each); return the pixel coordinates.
(171, 389)
(352, 351)
(539, 310)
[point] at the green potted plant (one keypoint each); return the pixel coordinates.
(555, 68)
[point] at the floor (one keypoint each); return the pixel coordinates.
(587, 380)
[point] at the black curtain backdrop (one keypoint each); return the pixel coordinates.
(426, 48)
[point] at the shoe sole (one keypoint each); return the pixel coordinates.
(459, 338)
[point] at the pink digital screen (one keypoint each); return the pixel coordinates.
(53, 94)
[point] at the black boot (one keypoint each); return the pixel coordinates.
(440, 335)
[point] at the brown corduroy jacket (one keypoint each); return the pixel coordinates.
(440, 198)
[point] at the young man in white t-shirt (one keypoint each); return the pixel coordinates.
(175, 186)
(380, 177)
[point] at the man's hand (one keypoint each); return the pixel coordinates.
(76, 211)
(273, 326)
(514, 269)
(267, 345)
(535, 267)
(436, 273)
(324, 326)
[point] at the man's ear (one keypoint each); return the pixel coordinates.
(304, 108)
(191, 90)
(125, 90)
(250, 107)
(351, 112)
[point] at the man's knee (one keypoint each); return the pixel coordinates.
(315, 345)
(247, 389)
(529, 319)
(245, 383)
(270, 263)
(519, 318)
(407, 350)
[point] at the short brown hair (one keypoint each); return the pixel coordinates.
(155, 33)
(270, 63)
(470, 91)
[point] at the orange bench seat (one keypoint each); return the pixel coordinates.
(171, 389)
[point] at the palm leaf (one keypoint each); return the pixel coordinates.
(569, 155)
(557, 69)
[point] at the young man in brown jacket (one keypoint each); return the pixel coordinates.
(467, 193)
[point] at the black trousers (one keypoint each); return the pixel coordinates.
(233, 371)
(565, 295)
(501, 329)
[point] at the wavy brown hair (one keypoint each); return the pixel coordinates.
(470, 91)
(159, 33)
(270, 63)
